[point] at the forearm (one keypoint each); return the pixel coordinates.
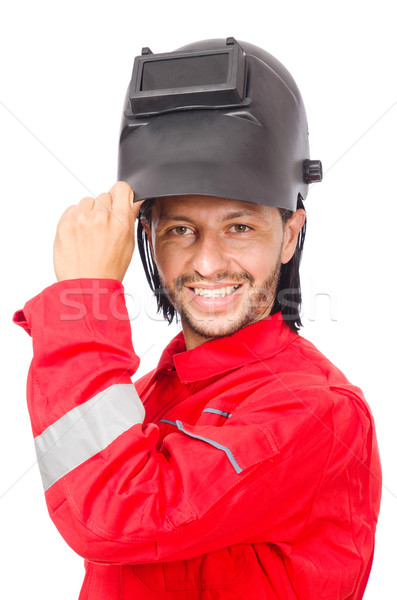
(95, 459)
(81, 342)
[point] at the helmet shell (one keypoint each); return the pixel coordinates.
(255, 153)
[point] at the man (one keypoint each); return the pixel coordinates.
(245, 465)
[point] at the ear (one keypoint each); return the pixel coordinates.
(148, 231)
(291, 234)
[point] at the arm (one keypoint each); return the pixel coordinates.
(122, 499)
(112, 494)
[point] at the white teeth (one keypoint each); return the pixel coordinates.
(216, 293)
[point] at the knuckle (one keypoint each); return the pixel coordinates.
(67, 216)
(80, 218)
(100, 217)
(86, 200)
(69, 211)
(104, 199)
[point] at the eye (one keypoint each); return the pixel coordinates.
(180, 230)
(240, 228)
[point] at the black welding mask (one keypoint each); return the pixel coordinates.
(216, 118)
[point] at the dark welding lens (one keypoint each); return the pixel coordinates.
(185, 72)
(181, 80)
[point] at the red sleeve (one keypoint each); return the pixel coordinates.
(116, 497)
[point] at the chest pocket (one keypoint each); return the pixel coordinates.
(243, 446)
(226, 568)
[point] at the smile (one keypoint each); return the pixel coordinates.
(216, 293)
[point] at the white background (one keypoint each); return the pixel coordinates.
(64, 71)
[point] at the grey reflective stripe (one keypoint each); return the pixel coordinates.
(218, 412)
(86, 430)
(227, 451)
(167, 421)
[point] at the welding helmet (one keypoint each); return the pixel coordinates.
(215, 118)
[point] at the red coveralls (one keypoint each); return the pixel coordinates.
(254, 474)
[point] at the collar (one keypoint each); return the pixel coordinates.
(258, 341)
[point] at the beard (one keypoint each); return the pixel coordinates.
(257, 304)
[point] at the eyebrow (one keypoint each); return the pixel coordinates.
(241, 213)
(174, 218)
(227, 217)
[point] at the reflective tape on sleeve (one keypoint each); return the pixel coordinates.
(86, 430)
(213, 443)
(216, 411)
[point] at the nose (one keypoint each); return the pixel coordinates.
(209, 256)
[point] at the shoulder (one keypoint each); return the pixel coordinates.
(320, 377)
(300, 395)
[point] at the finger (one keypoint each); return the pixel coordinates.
(69, 212)
(104, 202)
(135, 208)
(122, 196)
(86, 203)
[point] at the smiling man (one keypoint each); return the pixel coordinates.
(245, 465)
(219, 260)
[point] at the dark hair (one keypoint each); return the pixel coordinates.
(288, 297)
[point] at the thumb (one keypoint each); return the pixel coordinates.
(135, 206)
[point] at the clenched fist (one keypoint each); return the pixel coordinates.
(95, 238)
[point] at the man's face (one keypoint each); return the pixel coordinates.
(219, 261)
